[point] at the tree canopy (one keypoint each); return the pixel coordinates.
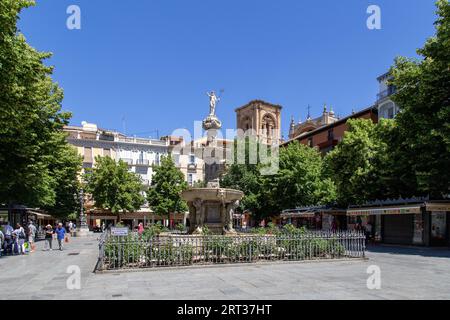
(299, 181)
(423, 94)
(113, 187)
(31, 146)
(164, 194)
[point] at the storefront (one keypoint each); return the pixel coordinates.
(422, 223)
(315, 218)
(96, 218)
(23, 215)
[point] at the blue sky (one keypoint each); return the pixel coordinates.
(151, 62)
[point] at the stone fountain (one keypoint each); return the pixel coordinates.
(212, 206)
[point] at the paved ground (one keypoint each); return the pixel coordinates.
(406, 273)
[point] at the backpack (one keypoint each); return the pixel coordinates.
(22, 234)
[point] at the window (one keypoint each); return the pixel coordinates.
(107, 152)
(310, 142)
(190, 179)
(157, 159)
(390, 113)
(330, 135)
(176, 159)
(192, 159)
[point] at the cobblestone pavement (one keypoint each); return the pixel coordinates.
(406, 273)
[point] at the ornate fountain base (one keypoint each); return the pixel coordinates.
(212, 208)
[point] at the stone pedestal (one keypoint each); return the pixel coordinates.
(83, 232)
(83, 229)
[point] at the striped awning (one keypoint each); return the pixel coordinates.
(384, 211)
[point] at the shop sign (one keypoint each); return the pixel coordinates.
(120, 232)
(438, 207)
(384, 211)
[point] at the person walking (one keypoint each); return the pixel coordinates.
(19, 239)
(60, 235)
(368, 230)
(32, 236)
(8, 233)
(71, 228)
(48, 238)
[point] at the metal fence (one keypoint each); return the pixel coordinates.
(185, 250)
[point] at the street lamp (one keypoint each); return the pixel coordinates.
(83, 229)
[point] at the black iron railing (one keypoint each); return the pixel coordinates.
(183, 250)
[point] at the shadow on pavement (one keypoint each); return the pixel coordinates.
(441, 252)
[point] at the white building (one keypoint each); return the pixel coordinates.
(386, 107)
(140, 154)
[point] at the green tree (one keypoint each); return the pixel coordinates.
(30, 117)
(65, 166)
(300, 180)
(164, 194)
(351, 164)
(423, 94)
(244, 175)
(113, 187)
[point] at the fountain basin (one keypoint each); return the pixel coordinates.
(213, 208)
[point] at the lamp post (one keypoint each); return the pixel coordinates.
(83, 227)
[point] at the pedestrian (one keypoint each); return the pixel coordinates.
(71, 228)
(32, 236)
(19, 239)
(2, 240)
(48, 238)
(368, 230)
(8, 233)
(60, 235)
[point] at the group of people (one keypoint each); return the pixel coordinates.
(17, 240)
(20, 240)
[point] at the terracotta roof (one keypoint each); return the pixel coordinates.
(334, 124)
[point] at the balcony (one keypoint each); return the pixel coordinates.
(142, 162)
(127, 161)
(386, 93)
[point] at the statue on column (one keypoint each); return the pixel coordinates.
(213, 99)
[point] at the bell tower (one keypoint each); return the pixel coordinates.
(263, 118)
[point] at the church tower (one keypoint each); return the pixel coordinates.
(262, 117)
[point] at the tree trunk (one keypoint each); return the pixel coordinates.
(10, 213)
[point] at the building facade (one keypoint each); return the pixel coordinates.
(141, 154)
(326, 136)
(263, 118)
(387, 109)
(188, 159)
(327, 117)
